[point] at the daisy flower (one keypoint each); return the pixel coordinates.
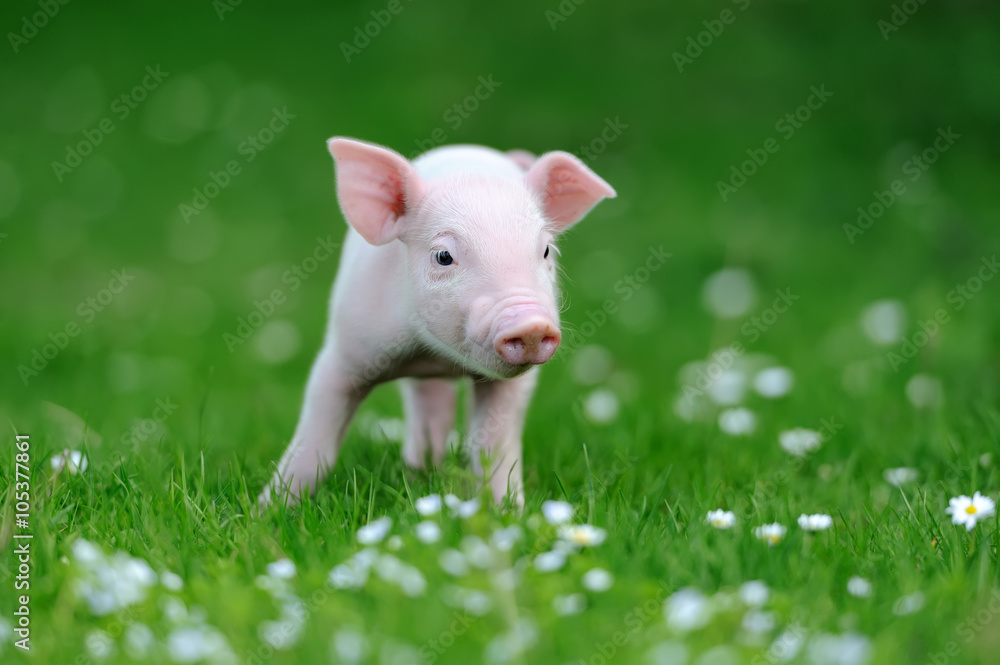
(73, 461)
(968, 512)
(815, 522)
(583, 534)
(374, 532)
(427, 532)
(773, 382)
(428, 505)
(597, 580)
(738, 421)
(721, 519)
(859, 587)
(900, 476)
(772, 534)
(557, 512)
(800, 441)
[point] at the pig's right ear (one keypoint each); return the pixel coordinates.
(375, 186)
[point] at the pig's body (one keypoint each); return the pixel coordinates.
(446, 272)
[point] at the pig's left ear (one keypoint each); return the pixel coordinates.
(375, 186)
(565, 187)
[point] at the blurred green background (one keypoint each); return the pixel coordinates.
(560, 83)
(228, 70)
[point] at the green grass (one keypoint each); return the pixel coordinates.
(180, 493)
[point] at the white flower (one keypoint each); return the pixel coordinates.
(883, 321)
(281, 634)
(453, 562)
(194, 644)
(800, 441)
(394, 543)
(546, 562)
(816, 522)
(900, 476)
(374, 532)
(350, 645)
(756, 622)
(171, 581)
(428, 505)
(427, 532)
(728, 387)
(557, 512)
(773, 382)
(754, 593)
(846, 649)
(968, 512)
(73, 461)
(598, 580)
(924, 391)
(477, 552)
(738, 421)
(583, 534)
(100, 644)
(721, 519)
(408, 578)
(859, 587)
(667, 653)
(353, 573)
(138, 640)
(787, 645)
(452, 501)
(687, 610)
(770, 533)
(601, 406)
(282, 569)
(908, 604)
(504, 538)
(729, 293)
(466, 509)
(573, 603)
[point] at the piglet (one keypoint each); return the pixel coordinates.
(448, 270)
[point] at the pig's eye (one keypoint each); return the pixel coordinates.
(546, 254)
(443, 258)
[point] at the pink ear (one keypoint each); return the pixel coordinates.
(566, 188)
(376, 186)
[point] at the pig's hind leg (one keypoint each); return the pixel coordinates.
(429, 407)
(330, 402)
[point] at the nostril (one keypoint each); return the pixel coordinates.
(550, 340)
(513, 342)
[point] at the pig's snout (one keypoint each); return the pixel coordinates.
(527, 337)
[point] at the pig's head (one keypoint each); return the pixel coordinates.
(481, 248)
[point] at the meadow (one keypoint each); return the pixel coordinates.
(789, 310)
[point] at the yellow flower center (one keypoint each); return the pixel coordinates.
(971, 510)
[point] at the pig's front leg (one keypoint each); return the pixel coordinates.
(429, 407)
(496, 425)
(330, 402)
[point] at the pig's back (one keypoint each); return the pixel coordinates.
(457, 159)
